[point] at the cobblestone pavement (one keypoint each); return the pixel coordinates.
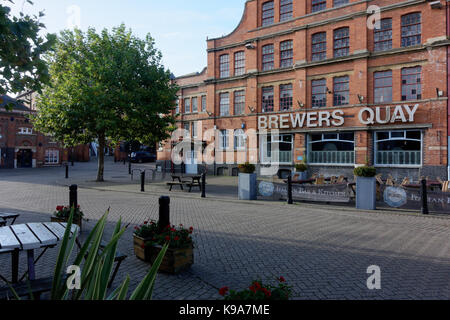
(322, 251)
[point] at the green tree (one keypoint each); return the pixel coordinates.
(21, 49)
(106, 87)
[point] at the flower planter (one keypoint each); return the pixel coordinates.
(175, 260)
(366, 193)
(78, 221)
(140, 250)
(247, 186)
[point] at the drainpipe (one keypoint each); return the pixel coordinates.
(448, 88)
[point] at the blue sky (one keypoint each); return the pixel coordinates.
(180, 27)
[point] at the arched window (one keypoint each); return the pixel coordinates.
(268, 13)
(286, 10)
(411, 29)
(224, 66)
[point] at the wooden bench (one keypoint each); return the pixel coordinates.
(4, 217)
(24, 289)
(171, 184)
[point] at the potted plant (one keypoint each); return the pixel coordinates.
(149, 241)
(301, 168)
(259, 291)
(62, 214)
(366, 187)
(247, 182)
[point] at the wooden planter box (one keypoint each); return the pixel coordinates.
(77, 221)
(140, 250)
(175, 260)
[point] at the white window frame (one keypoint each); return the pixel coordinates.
(50, 155)
(310, 143)
(25, 131)
(224, 143)
(265, 159)
(240, 139)
(395, 138)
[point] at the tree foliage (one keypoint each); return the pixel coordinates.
(22, 67)
(108, 86)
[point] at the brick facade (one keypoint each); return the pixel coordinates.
(22, 147)
(424, 149)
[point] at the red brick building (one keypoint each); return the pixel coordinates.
(22, 147)
(345, 82)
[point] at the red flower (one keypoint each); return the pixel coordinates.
(177, 238)
(257, 285)
(78, 206)
(173, 230)
(253, 289)
(167, 238)
(223, 291)
(143, 246)
(191, 228)
(267, 292)
(59, 208)
(145, 222)
(282, 279)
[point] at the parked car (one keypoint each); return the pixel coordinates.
(143, 156)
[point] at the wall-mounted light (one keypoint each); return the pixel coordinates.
(251, 109)
(439, 93)
(329, 91)
(243, 125)
(300, 104)
(210, 113)
(436, 4)
(360, 98)
(250, 46)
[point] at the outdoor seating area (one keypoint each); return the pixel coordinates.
(34, 240)
(190, 181)
(29, 238)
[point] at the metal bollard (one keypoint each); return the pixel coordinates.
(73, 196)
(143, 181)
(164, 213)
(129, 166)
(424, 197)
(290, 201)
(203, 185)
(67, 171)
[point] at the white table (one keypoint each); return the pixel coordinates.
(30, 237)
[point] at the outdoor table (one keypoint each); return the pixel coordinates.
(30, 237)
(195, 181)
(430, 185)
(6, 216)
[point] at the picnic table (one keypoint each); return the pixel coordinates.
(30, 237)
(189, 180)
(4, 217)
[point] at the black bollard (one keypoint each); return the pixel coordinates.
(203, 185)
(290, 201)
(67, 171)
(424, 197)
(143, 181)
(124, 161)
(129, 165)
(164, 213)
(73, 196)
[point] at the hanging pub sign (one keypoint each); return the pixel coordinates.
(336, 118)
(317, 193)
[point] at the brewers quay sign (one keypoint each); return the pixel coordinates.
(336, 118)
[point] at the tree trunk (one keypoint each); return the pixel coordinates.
(101, 158)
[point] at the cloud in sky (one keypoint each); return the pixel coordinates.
(180, 27)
